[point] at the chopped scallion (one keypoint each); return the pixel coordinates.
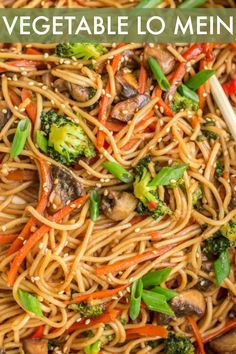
(156, 278)
(187, 92)
(41, 141)
(135, 299)
(190, 4)
(94, 205)
(158, 74)
(199, 79)
(118, 171)
(30, 302)
(149, 4)
(157, 302)
(19, 140)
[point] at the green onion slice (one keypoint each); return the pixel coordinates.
(158, 74)
(156, 278)
(19, 140)
(189, 4)
(168, 175)
(187, 92)
(222, 267)
(168, 293)
(149, 4)
(30, 302)
(94, 205)
(157, 302)
(41, 141)
(199, 79)
(118, 171)
(135, 299)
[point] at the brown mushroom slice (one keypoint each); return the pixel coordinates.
(225, 344)
(125, 110)
(189, 302)
(35, 346)
(158, 51)
(5, 115)
(66, 188)
(126, 85)
(78, 93)
(118, 205)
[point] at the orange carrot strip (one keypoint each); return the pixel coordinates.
(38, 333)
(197, 334)
(226, 328)
(14, 98)
(7, 238)
(128, 262)
(233, 45)
(142, 79)
(148, 116)
(114, 126)
(155, 235)
(31, 107)
(33, 51)
(36, 237)
(21, 175)
(108, 316)
(129, 145)
(161, 104)
(96, 295)
(20, 63)
(147, 331)
(46, 181)
(136, 219)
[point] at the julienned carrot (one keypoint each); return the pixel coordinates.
(136, 219)
(148, 116)
(33, 51)
(45, 174)
(31, 107)
(147, 331)
(196, 334)
(142, 79)
(161, 104)
(22, 175)
(114, 126)
(155, 235)
(130, 144)
(226, 328)
(38, 333)
(23, 63)
(108, 316)
(36, 237)
(16, 100)
(128, 262)
(7, 238)
(102, 114)
(233, 45)
(96, 295)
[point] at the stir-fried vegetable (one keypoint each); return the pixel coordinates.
(214, 246)
(199, 79)
(187, 92)
(84, 51)
(41, 141)
(168, 293)
(229, 231)
(222, 267)
(219, 170)
(149, 4)
(168, 175)
(156, 278)
(158, 74)
(230, 87)
(94, 206)
(189, 4)
(135, 299)
(93, 348)
(197, 334)
(182, 103)
(178, 344)
(30, 302)
(20, 137)
(157, 302)
(88, 311)
(118, 171)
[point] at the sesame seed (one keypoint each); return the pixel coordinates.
(31, 83)
(46, 55)
(137, 229)
(4, 228)
(87, 321)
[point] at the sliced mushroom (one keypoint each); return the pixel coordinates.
(65, 188)
(125, 110)
(163, 319)
(4, 117)
(35, 346)
(224, 344)
(79, 93)
(203, 284)
(162, 55)
(47, 79)
(126, 85)
(118, 205)
(129, 59)
(189, 302)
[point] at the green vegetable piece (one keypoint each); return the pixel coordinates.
(190, 4)
(30, 302)
(93, 348)
(182, 103)
(84, 51)
(135, 299)
(94, 205)
(187, 92)
(148, 4)
(199, 79)
(156, 278)
(229, 231)
(118, 171)
(168, 293)
(41, 141)
(215, 245)
(157, 302)
(197, 196)
(219, 171)
(88, 311)
(178, 344)
(222, 267)
(168, 175)
(19, 140)
(158, 74)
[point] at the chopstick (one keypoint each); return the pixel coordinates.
(224, 105)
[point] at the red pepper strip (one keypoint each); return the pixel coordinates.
(142, 79)
(130, 261)
(16, 100)
(161, 104)
(7, 238)
(38, 332)
(45, 173)
(147, 331)
(197, 334)
(102, 114)
(20, 63)
(31, 107)
(193, 51)
(230, 87)
(33, 51)
(226, 328)
(108, 316)
(208, 49)
(114, 126)
(96, 295)
(233, 45)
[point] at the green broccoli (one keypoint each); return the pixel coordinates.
(66, 140)
(209, 134)
(219, 170)
(149, 203)
(197, 196)
(88, 311)
(215, 245)
(181, 102)
(93, 348)
(178, 344)
(229, 231)
(84, 51)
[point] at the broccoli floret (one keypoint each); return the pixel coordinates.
(219, 170)
(88, 311)
(215, 245)
(84, 51)
(229, 231)
(93, 348)
(178, 344)
(66, 140)
(181, 102)
(208, 133)
(197, 196)
(149, 203)
(154, 343)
